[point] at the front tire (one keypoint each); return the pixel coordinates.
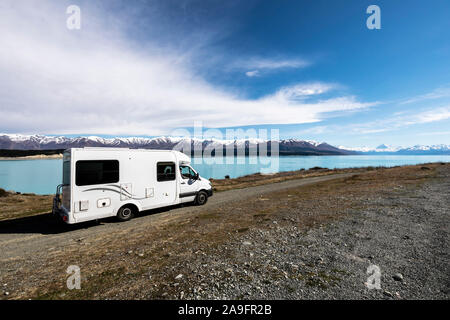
(201, 199)
(125, 213)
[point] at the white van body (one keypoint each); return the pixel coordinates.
(101, 182)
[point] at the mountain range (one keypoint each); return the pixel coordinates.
(286, 146)
(209, 146)
(383, 149)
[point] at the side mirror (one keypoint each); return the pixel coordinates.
(196, 177)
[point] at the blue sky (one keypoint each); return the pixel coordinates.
(311, 69)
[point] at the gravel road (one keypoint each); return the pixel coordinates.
(27, 238)
(313, 238)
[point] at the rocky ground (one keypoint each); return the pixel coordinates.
(286, 240)
(403, 231)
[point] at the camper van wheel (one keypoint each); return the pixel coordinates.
(125, 213)
(201, 198)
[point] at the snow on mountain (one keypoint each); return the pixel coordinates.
(417, 149)
(286, 146)
(40, 142)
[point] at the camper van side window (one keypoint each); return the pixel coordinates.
(89, 172)
(165, 171)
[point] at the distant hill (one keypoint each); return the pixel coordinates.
(383, 149)
(209, 146)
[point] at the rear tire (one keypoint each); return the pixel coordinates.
(201, 199)
(125, 213)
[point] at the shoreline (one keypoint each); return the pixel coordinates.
(34, 157)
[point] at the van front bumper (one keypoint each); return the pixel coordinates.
(209, 192)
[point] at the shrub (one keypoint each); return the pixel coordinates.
(3, 193)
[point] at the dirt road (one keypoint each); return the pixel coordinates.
(310, 238)
(27, 237)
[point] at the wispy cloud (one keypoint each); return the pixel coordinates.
(438, 93)
(95, 81)
(386, 124)
(253, 73)
(435, 133)
(304, 90)
(257, 66)
(397, 122)
(271, 64)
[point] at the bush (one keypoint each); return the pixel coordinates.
(3, 193)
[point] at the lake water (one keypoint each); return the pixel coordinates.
(42, 176)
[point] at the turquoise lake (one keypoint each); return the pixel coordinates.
(42, 176)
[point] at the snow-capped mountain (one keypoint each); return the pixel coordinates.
(286, 147)
(389, 149)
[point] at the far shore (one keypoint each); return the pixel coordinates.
(35, 157)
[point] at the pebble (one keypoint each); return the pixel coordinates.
(387, 293)
(247, 243)
(179, 276)
(398, 277)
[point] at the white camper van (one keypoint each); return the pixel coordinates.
(105, 182)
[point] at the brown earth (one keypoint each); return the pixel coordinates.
(309, 238)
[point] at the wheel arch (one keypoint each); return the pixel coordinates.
(134, 204)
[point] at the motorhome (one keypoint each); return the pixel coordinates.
(104, 182)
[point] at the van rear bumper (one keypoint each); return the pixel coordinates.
(59, 210)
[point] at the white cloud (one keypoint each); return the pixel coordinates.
(396, 122)
(438, 93)
(94, 81)
(259, 66)
(301, 91)
(271, 64)
(399, 120)
(432, 115)
(253, 73)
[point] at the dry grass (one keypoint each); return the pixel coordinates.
(114, 273)
(258, 179)
(21, 205)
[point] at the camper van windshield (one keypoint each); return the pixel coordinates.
(187, 172)
(90, 172)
